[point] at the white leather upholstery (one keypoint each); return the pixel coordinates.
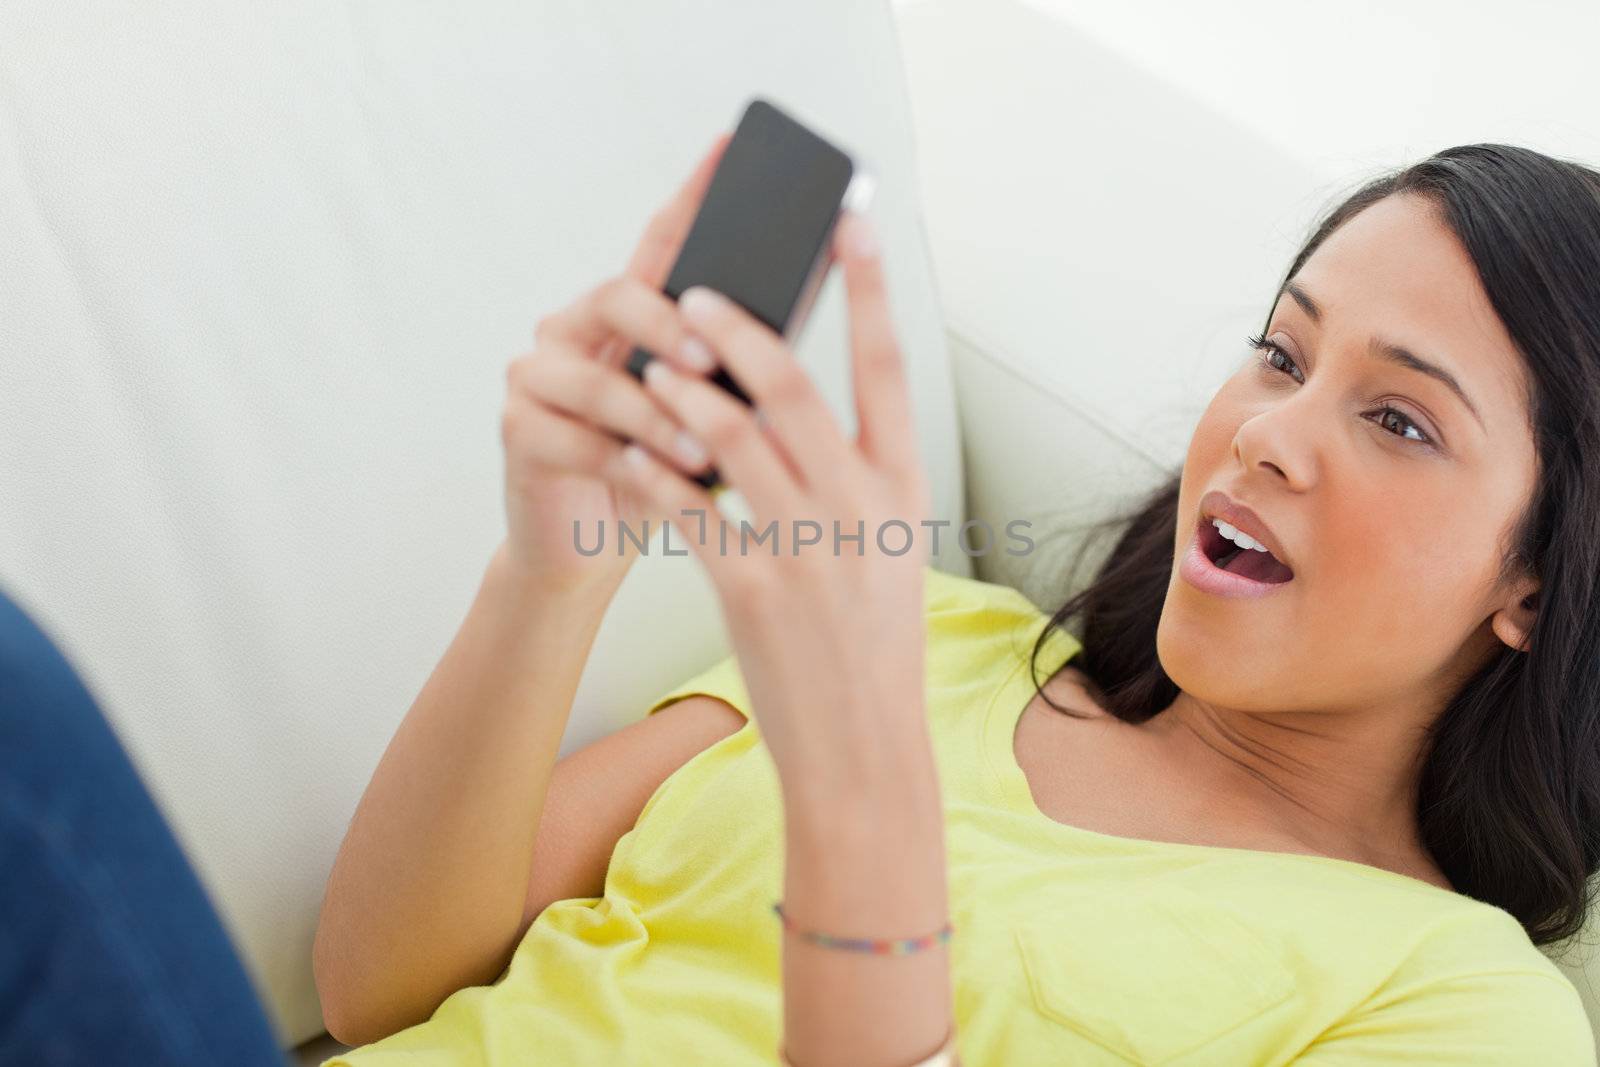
(264, 267)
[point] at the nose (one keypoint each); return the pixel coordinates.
(1280, 442)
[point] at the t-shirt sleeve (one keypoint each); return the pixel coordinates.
(1482, 1020)
(722, 679)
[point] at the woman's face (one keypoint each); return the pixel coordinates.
(1395, 523)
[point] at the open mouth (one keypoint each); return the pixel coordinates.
(1260, 566)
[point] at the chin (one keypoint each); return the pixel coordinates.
(1208, 663)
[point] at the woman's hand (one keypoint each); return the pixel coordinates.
(570, 407)
(829, 635)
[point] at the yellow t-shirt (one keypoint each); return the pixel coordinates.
(1070, 946)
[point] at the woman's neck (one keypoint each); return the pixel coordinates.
(1341, 785)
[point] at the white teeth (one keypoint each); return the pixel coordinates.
(1243, 540)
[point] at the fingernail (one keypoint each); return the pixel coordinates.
(656, 373)
(699, 303)
(692, 452)
(696, 354)
(863, 238)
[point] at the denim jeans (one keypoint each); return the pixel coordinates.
(110, 951)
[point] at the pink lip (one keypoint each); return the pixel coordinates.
(1219, 505)
(1197, 569)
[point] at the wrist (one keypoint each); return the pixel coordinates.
(527, 582)
(850, 830)
(865, 860)
(863, 813)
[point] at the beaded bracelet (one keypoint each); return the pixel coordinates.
(881, 946)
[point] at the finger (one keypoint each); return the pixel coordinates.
(613, 401)
(765, 368)
(885, 430)
(533, 434)
(687, 506)
(613, 352)
(664, 235)
(745, 456)
(633, 314)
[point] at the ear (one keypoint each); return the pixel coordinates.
(1513, 624)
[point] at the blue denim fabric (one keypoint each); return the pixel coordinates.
(110, 951)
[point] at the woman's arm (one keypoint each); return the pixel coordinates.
(426, 895)
(865, 857)
(831, 648)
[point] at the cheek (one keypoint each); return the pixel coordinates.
(1394, 581)
(1214, 433)
(1210, 448)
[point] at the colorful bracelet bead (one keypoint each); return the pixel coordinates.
(880, 946)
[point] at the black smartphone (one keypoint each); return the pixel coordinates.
(763, 235)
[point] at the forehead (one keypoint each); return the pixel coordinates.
(1397, 271)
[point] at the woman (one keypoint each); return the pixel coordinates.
(1326, 823)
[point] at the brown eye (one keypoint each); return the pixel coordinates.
(1422, 439)
(1273, 357)
(1276, 354)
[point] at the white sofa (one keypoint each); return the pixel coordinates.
(264, 269)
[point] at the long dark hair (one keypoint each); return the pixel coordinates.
(1509, 799)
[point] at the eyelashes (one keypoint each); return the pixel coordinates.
(1266, 350)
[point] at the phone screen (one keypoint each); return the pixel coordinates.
(761, 235)
(766, 217)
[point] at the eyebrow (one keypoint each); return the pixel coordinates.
(1393, 353)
